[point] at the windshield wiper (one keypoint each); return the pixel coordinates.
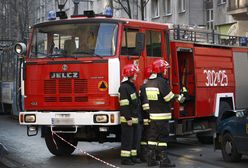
(47, 55)
(90, 52)
(55, 55)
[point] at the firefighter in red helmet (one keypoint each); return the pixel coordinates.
(145, 115)
(159, 95)
(129, 109)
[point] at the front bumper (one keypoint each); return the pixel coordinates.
(69, 118)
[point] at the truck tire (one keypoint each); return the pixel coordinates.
(205, 137)
(229, 149)
(62, 149)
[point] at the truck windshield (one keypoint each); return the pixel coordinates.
(74, 40)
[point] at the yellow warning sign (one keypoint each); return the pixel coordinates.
(102, 85)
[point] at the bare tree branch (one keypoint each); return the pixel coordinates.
(126, 9)
(146, 2)
(15, 18)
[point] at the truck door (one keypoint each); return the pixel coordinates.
(186, 80)
(241, 131)
(246, 131)
(128, 54)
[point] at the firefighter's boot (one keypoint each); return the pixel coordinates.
(143, 153)
(158, 157)
(136, 160)
(126, 161)
(151, 158)
(165, 161)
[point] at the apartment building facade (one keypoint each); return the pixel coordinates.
(238, 9)
(224, 16)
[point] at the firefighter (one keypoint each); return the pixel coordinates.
(145, 115)
(159, 96)
(129, 109)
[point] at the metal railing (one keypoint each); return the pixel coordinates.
(207, 37)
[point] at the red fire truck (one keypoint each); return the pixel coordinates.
(72, 72)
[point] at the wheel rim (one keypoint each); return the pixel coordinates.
(228, 147)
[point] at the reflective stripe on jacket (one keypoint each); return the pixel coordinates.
(160, 116)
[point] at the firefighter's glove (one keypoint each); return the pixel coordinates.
(129, 122)
(180, 98)
(184, 91)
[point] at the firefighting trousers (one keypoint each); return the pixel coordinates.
(144, 135)
(158, 134)
(129, 140)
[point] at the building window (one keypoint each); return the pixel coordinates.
(181, 6)
(210, 19)
(145, 13)
(90, 5)
(37, 14)
(167, 7)
(220, 2)
(155, 8)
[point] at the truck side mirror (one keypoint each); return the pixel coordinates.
(140, 42)
(241, 113)
(20, 49)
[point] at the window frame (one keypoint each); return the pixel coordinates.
(145, 13)
(181, 6)
(124, 35)
(151, 43)
(221, 2)
(210, 19)
(166, 8)
(155, 14)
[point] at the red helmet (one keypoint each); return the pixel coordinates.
(148, 71)
(129, 70)
(159, 66)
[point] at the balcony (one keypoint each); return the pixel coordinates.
(238, 9)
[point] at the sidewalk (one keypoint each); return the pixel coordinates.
(5, 162)
(3, 152)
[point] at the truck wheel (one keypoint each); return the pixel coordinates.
(62, 148)
(205, 137)
(229, 149)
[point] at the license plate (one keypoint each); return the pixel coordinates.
(62, 121)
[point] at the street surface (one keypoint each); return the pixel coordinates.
(31, 152)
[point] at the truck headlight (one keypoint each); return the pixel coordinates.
(101, 118)
(20, 48)
(30, 118)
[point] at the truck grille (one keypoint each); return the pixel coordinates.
(65, 86)
(78, 86)
(50, 87)
(54, 90)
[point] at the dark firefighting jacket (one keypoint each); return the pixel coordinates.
(159, 95)
(145, 105)
(129, 102)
